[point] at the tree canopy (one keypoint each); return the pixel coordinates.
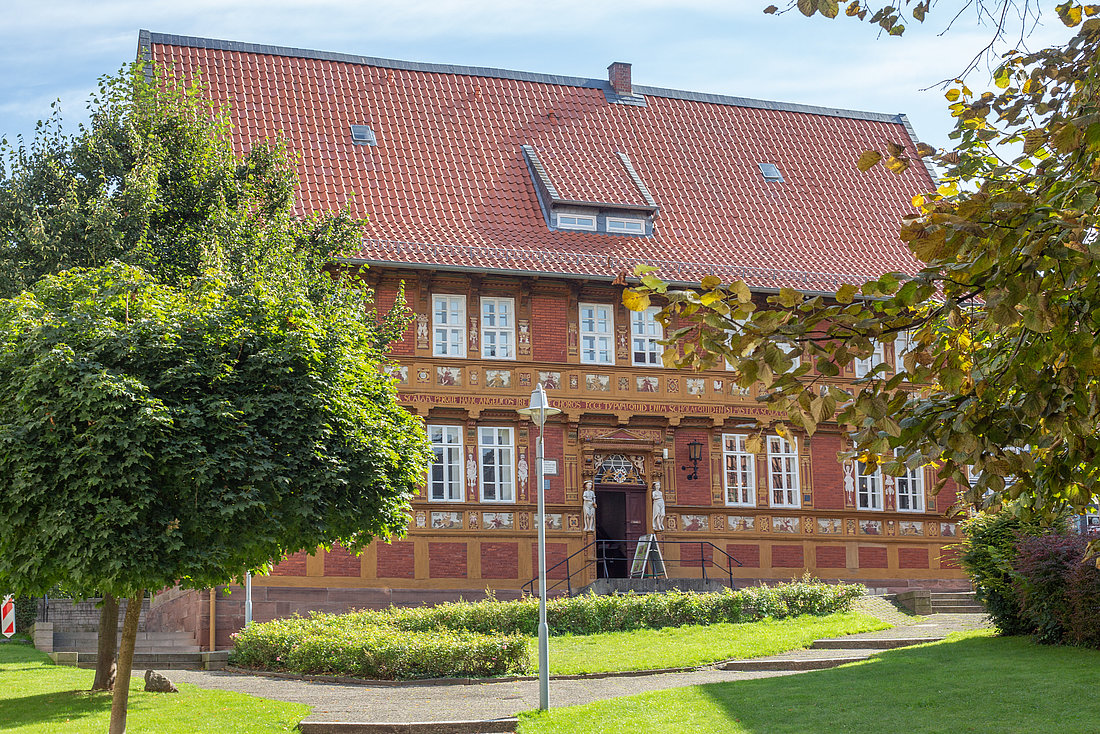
(998, 382)
(152, 434)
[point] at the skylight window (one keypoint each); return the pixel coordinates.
(771, 173)
(363, 135)
(620, 225)
(577, 221)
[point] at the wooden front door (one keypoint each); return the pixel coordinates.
(620, 521)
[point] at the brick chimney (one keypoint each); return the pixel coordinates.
(619, 76)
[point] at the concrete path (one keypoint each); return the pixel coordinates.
(428, 702)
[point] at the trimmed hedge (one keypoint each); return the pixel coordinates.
(588, 614)
(325, 644)
(490, 638)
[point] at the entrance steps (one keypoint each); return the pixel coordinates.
(827, 653)
(956, 603)
(924, 601)
(86, 641)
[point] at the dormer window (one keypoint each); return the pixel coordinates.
(622, 225)
(577, 221)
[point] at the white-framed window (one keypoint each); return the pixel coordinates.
(904, 343)
(868, 487)
(645, 336)
(445, 475)
(740, 471)
(910, 487)
(864, 366)
(497, 464)
(794, 351)
(584, 222)
(624, 225)
(449, 326)
(597, 333)
(498, 328)
(783, 473)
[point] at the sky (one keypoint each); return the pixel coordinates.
(57, 49)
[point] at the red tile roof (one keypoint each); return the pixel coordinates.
(448, 185)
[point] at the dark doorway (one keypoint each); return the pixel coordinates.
(620, 521)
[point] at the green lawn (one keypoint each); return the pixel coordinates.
(973, 682)
(37, 696)
(681, 647)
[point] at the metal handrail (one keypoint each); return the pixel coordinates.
(569, 574)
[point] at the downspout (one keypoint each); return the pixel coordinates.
(213, 618)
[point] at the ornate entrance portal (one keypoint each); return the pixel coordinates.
(620, 512)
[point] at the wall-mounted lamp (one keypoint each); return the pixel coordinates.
(695, 455)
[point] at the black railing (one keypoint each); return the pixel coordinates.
(613, 564)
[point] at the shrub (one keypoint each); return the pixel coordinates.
(988, 554)
(344, 645)
(1042, 568)
(490, 638)
(1083, 599)
(26, 612)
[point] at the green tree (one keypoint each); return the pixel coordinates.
(999, 326)
(154, 434)
(153, 181)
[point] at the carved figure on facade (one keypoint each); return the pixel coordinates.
(422, 331)
(523, 471)
(658, 508)
(599, 383)
(524, 336)
(589, 500)
(471, 471)
(849, 484)
(473, 334)
(622, 342)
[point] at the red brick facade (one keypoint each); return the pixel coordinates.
(483, 225)
(831, 556)
(447, 560)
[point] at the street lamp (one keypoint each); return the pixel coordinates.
(537, 411)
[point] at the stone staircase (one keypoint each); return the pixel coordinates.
(84, 640)
(74, 644)
(925, 601)
(827, 653)
(959, 602)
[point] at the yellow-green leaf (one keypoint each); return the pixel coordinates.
(710, 282)
(846, 293)
(634, 300)
(868, 159)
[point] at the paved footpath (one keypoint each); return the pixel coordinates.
(424, 702)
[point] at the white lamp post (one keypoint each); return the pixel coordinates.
(247, 598)
(537, 411)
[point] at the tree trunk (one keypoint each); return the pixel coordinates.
(125, 663)
(108, 645)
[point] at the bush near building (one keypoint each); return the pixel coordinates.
(488, 637)
(1034, 580)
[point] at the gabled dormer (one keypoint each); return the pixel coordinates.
(605, 194)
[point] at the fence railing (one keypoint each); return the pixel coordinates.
(617, 559)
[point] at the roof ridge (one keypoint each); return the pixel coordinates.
(495, 73)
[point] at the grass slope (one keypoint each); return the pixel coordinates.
(38, 696)
(973, 682)
(681, 647)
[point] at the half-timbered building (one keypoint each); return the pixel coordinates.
(512, 206)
